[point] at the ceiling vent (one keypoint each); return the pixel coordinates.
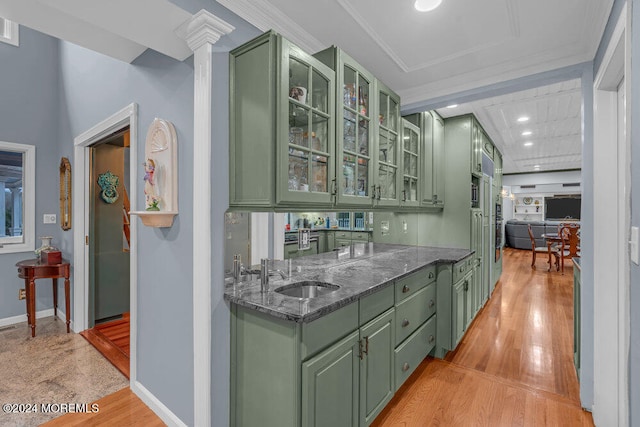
(571, 184)
(527, 186)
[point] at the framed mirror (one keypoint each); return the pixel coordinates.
(65, 193)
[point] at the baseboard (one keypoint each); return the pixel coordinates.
(156, 406)
(23, 317)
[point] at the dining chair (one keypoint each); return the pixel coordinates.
(537, 249)
(570, 244)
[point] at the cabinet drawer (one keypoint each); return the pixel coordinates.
(341, 243)
(412, 283)
(343, 235)
(461, 268)
(412, 312)
(359, 236)
(375, 304)
(409, 355)
(326, 330)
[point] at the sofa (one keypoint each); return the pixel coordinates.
(517, 235)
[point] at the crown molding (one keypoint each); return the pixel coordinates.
(203, 27)
(264, 16)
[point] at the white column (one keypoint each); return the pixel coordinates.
(201, 32)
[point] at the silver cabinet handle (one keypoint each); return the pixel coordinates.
(431, 303)
(405, 323)
(431, 339)
(405, 289)
(373, 192)
(405, 367)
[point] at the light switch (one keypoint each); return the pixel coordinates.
(49, 219)
(633, 245)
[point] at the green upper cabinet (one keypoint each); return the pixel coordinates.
(476, 148)
(411, 155)
(388, 159)
(282, 126)
(356, 107)
(367, 135)
(431, 176)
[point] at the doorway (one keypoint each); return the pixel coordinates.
(109, 234)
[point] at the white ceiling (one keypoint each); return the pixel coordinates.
(555, 123)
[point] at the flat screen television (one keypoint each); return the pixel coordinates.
(563, 207)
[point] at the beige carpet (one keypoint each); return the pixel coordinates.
(53, 368)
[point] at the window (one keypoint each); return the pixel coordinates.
(9, 32)
(17, 197)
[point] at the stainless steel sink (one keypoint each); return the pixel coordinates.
(307, 289)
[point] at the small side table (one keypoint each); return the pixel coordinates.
(32, 269)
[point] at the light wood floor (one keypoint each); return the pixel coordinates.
(514, 365)
(112, 340)
(122, 408)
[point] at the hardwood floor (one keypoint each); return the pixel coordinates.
(112, 340)
(514, 365)
(122, 408)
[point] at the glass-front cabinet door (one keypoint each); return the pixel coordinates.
(306, 143)
(355, 134)
(410, 164)
(387, 188)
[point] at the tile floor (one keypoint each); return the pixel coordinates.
(52, 368)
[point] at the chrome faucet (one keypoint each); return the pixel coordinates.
(265, 273)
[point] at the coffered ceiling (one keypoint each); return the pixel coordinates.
(554, 120)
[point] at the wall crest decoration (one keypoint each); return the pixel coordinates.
(108, 182)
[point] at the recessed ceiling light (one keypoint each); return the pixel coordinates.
(452, 106)
(523, 119)
(536, 167)
(526, 133)
(426, 5)
(528, 144)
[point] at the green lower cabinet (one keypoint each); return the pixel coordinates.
(292, 251)
(459, 306)
(330, 385)
(410, 353)
(376, 367)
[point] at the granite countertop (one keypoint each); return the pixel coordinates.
(360, 270)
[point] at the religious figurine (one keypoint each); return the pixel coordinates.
(151, 197)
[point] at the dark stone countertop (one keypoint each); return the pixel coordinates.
(360, 270)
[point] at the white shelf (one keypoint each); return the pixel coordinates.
(535, 209)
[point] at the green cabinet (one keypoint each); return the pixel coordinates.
(459, 309)
(476, 148)
(282, 126)
(432, 158)
(411, 160)
(291, 250)
(330, 385)
(367, 135)
(376, 367)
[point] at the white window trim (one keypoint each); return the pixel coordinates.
(11, 33)
(26, 244)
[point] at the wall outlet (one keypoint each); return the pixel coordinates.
(49, 219)
(22, 294)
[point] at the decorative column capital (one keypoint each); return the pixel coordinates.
(204, 27)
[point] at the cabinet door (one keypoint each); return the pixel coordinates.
(476, 149)
(376, 368)
(389, 149)
(427, 184)
(305, 142)
(330, 384)
(458, 307)
(470, 300)
(355, 147)
(438, 160)
(411, 154)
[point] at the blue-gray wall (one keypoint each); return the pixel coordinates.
(28, 90)
(92, 88)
